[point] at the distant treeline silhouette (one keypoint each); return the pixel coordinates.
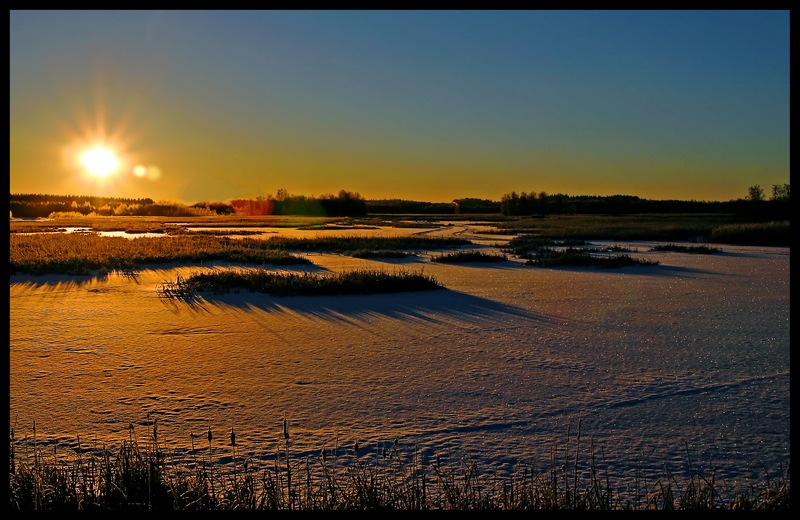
(413, 207)
(755, 205)
(42, 206)
(346, 203)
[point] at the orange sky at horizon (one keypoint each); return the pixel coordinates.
(391, 106)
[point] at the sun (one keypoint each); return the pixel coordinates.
(100, 161)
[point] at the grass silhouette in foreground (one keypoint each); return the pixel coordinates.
(141, 477)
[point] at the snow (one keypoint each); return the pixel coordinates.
(681, 364)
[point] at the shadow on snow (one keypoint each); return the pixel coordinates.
(426, 306)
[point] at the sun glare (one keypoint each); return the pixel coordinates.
(100, 161)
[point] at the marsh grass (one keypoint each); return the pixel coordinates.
(700, 250)
(216, 232)
(721, 229)
(350, 244)
(572, 257)
(549, 252)
(53, 251)
(382, 253)
(460, 257)
(717, 228)
(147, 476)
(662, 227)
(79, 254)
(761, 234)
(154, 224)
(526, 244)
(357, 281)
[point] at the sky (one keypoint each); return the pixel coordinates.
(417, 105)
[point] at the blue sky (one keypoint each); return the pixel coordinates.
(422, 105)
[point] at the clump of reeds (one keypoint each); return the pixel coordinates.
(523, 245)
(381, 253)
(146, 476)
(178, 289)
(616, 248)
(357, 281)
(349, 244)
(700, 250)
(458, 257)
(582, 257)
(551, 252)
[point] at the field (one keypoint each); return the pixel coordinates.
(676, 364)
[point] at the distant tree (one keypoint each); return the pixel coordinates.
(509, 204)
(755, 193)
(349, 195)
(780, 192)
(105, 210)
(560, 204)
(544, 203)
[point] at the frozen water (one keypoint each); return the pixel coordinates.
(683, 363)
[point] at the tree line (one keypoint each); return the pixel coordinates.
(755, 204)
(344, 204)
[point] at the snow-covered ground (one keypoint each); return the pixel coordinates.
(662, 367)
